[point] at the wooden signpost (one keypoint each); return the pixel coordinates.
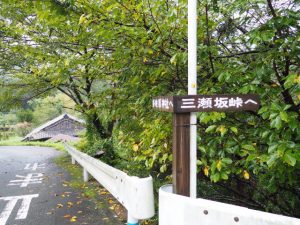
(181, 107)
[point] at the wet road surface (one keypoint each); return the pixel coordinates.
(33, 191)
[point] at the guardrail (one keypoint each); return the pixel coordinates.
(135, 194)
(180, 210)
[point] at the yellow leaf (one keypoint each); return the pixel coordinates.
(299, 96)
(205, 171)
(59, 205)
(82, 19)
(222, 129)
(135, 147)
(246, 175)
(145, 59)
(73, 219)
(219, 165)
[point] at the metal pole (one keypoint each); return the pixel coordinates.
(131, 220)
(85, 175)
(192, 90)
(73, 160)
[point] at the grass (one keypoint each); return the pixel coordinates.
(17, 141)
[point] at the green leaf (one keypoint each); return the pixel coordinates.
(226, 160)
(272, 160)
(163, 168)
(289, 159)
(210, 128)
(224, 176)
(278, 123)
(284, 116)
(234, 130)
(248, 147)
(215, 178)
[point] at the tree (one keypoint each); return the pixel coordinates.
(112, 57)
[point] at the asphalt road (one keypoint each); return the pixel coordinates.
(33, 192)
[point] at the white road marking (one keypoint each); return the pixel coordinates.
(34, 167)
(10, 205)
(31, 178)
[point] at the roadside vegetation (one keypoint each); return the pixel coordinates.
(111, 57)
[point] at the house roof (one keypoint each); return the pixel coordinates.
(51, 122)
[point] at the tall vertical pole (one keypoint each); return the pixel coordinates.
(192, 90)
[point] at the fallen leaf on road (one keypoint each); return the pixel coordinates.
(70, 204)
(79, 212)
(59, 205)
(73, 219)
(67, 216)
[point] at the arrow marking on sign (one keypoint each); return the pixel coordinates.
(250, 101)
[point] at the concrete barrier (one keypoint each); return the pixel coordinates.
(179, 210)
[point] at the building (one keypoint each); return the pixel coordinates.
(64, 124)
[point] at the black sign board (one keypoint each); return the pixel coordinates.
(207, 103)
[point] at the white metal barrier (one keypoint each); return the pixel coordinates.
(135, 194)
(180, 210)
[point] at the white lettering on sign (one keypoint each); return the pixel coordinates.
(221, 102)
(31, 178)
(250, 101)
(165, 103)
(10, 205)
(188, 103)
(214, 102)
(235, 102)
(34, 167)
(162, 103)
(204, 103)
(159, 103)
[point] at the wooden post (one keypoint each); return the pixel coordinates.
(181, 153)
(182, 107)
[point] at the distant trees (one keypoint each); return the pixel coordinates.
(112, 57)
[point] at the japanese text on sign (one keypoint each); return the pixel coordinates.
(207, 103)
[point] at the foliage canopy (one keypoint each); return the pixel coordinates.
(112, 57)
